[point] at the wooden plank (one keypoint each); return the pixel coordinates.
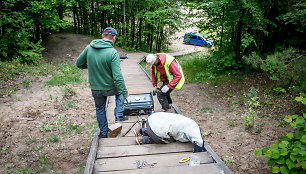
(133, 118)
(126, 126)
(145, 149)
(92, 153)
(163, 160)
(120, 141)
(211, 168)
(131, 129)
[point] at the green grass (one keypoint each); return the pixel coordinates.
(53, 139)
(5, 147)
(69, 104)
(66, 74)
(69, 91)
(45, 127)
(11, 72)
(81, 168)
(194, 67)
(207, 109)
(26, 83)
(145, 67)
(92, 126)
(78, 129)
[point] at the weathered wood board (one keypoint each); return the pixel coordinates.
(163, 160)
(211, 168)
(145, 149)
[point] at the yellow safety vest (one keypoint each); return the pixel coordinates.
(169, 60)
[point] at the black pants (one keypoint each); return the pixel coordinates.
(164, 98)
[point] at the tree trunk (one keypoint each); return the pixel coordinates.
(238, 41)
(37, 32)
(221, 35)
(85, 18)
(161, 38)
(74, 19)
(81, 19)
(139, 42)
(124, 21)
(133, 30)
(92, 28)
(152, 34)
(61, 13)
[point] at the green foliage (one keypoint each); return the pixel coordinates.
(202, 67)
(67, 74)
(288, 154)
(53, 139)
(64, 125)
(78, 129)
(5, 147)
(252, 113)
(194, 67)
(246, 27)
(45, 127)
(69, 91)
(279, 90)
(294, 21)
(286, 67)
(26, 83)
(60, 122)
(228, 159)
(81, 168)
(19, 39)
(208, 109)
(68, 104)
(32, 55)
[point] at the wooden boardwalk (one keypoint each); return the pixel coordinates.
(119, 155)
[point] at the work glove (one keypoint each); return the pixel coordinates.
(165, 89)
(128, 100)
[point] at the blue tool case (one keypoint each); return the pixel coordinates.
(141, 103)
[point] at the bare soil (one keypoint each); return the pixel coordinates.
(26, 115)
(218, 109)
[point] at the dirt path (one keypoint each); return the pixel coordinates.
(26, 115)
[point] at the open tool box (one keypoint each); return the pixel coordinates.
(141, 103)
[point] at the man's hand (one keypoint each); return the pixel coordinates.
(128, 99)
(165, 89)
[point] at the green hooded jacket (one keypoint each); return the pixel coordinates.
(103, 63)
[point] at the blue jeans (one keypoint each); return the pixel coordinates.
(197, 148)
(100, 97)
(146, 139)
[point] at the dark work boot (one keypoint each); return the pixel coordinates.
(102, 136)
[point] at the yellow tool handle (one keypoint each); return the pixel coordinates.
(184, 160)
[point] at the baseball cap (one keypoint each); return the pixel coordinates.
(110, 30)
(150, 59)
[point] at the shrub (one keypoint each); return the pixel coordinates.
(288, 154)
(285, 67)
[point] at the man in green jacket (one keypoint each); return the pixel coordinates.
(105, 76)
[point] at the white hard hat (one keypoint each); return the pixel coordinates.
(150, 59)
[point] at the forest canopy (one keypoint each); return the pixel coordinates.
(246, 33)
